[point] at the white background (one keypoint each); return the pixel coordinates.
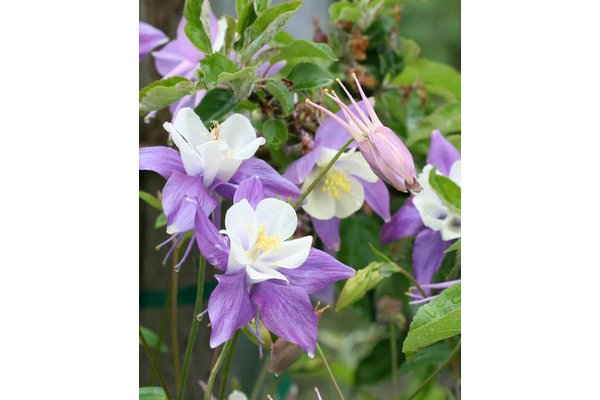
(530, 174)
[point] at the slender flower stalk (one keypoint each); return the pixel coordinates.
(226, 367)
(322, 174)
(154, 365)
(161, 333)
(194, 330)
(337, 388)
(174, 288)
(215, 370)
(436, 373)
(260, 380)
(394, 351)
(318, 394)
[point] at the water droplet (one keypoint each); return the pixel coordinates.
(199, 317)
(441, 303)
(431, 313)
(456, 300)
(432, 329)
(177, 268)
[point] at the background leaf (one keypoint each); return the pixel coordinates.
(309, 76)
(446, 189)
(282, 94)
(216, 104)
(301, 48)
(197, 27)
(163, 93)
(151, 200)
(152, 339)
(212, 67)
(152, 393)
(275, 133)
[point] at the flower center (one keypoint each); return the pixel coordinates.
(336, 183)
(214, 132)
(265, 243)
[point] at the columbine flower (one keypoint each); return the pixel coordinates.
(150, 38)
(346, 186)
(216, 160)
(424, 215)
(384, 151)
(266, 275)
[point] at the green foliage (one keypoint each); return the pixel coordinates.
(161, 221)
(152, 339)
(151, 200)
(212, 67)
(342, 11)
(163, 93)
(309, 76)
(152, 393)
(260, 5)
(357, 232)
(446, 119)
(356, 287)
(377, 366)
(433, 74)
(216, 104)
(197, 27)
(283, 96)
(454, 247)
(229, 34)
(437, 320)
(265, 335)
(431, 355)
(301, 48)
(446, 189)
(275, 133)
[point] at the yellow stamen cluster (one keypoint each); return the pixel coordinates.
(336, 183)
(214, 133)
(267, 243)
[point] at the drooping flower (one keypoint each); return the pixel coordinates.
(345, 187)
(266, 275)
(384, 151)
(426, 217)
(150, 38)
(207, 161)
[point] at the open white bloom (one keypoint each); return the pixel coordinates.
(258, 240)
(434, 213)
(339, 194)
(217, 153)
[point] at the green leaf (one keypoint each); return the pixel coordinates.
(275, 132)
(215, 104)
(446, 119)
(356, 287)
(152, 339)
(283, 38)
(283, 96)
(379, 254)
(239, 6)
(266, 26)
(301, 48)
(379, 31)
(197, 27)
(265, 335)
(215, 64)
(437, 320)
(430, 73)
(309, 76)
(446, 189)
(241, 82)
(163, 93)
(455, 246)
(429, 356)
(229, 34)
(246, 17)
(347, 12)
(356, 233)
(377, 366)
(260, 5)
(151, 200)
(161, 221)
(152, 393)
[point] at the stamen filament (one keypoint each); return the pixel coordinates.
(165, 242)
(425, 300)
(374, 119)
(187, 251)
(348, 113)
(179, 237)
(358, 109)
(356, 135)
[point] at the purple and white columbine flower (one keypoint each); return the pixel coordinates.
(426, 217)
(345, 187)
(384, 151)
(207, 161)
(150, 38)
(266, 276)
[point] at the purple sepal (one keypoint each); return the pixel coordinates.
(273, 183)
(160, 159)
(378, 197)
(319, 270)
(229, 307)
(213, 246)
(442, 153)
(329, 232)
(150, 38)
(428, 254)
(287, 312)
(406, 222)
(297, 171)
(252, 190)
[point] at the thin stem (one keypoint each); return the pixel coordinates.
(411, 278)
(330, 373)
(322, 174)
(192, 339)
(215, 370)
(154, 365)
(393, 346)
(226, 366)
(261, 378)
(174, 281)
(437, 371)
(161, 333)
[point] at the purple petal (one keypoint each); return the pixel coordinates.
(428, 254)
(187, 49)
(287, 312)
(213, 246)
(378, 197)
(150, 38)
(169, 58)
(442, 153)
(332, 134)
(273, 183)
(229, 307)
(319, 270)
(162, 160)
(252, 190)
(406, 222)
(190, 101)
(329, 232)
(297, 171)
(224, 189)
(180, 212)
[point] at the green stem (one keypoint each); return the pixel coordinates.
(215, 370)
(261, 378)
(322, 174)
(161, 333)
(437, 371)
(412, 279)
(192, 339)
(174, 284)
(154, 365)
(393, 346)
(329, 370)
(226, 366)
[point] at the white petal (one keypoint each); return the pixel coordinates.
(455, 172)
(319, 203)
(294, 254)
(248, 150)
(191, 131)
(237, 255)
(228, 168)
(220, 39)
(212, 154)
(258, 273)
(350, 202)
(279, 218)
(240, 221)
(355, 164)
(238, 133)
(433, 213)
(192, 161)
